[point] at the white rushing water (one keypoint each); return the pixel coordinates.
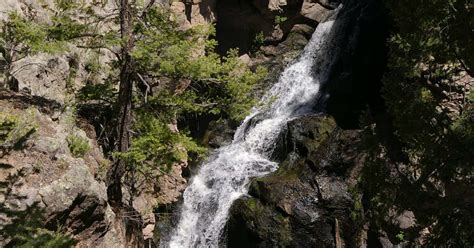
(227, 174)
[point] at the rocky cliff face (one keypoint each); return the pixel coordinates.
(45, 172)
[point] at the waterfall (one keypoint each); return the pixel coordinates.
(225, 176)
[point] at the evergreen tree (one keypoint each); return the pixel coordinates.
(429, 55)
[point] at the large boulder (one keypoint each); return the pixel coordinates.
(307, 201)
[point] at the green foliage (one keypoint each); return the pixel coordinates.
(357, 213)
(45, 239)
(280, 19)
(182, 74)
(14, 131)
(464, 125)
(77, 145)
(425, 59)
(400, 236)
(24, 35)
(104, 93)
(200, 82)
(65, 5)
(156, 146)
(92, 64)
(258, 41)
(203, 83)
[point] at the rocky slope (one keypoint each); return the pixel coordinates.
(45, 173)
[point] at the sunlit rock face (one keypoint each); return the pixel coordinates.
(53, 76)
(44, 176)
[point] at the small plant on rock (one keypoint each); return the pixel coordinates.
(280, 19)
(77, 145)
(401, 236)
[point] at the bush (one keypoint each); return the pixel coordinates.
(14, 132)
(280, 19)
(77, 145)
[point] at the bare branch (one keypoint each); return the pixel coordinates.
(146, 84)
(147, 8)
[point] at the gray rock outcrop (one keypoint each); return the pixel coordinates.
(67, 189)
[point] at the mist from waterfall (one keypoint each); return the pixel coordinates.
(226, 175)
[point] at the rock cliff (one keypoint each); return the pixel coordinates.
(44, 172)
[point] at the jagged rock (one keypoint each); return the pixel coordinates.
(245, 59)
(276, 5)
(7, 6)
(66, 188)
(298, 205)
(43, 75)
(52, 76)
(219, 134)
(404, 220)
(303, 29)
(77, 181)
(314, 11)
(192, 13)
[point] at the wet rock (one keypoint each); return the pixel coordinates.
(219, 133)
(299, 204)
(333, 190)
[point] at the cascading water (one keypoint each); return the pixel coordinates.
(226, 174)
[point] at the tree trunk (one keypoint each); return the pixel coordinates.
(126, 213)
(114, 190)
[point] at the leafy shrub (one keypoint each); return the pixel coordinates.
(77, 145)
(428, 49)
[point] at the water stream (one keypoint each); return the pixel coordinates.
(225, 176)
